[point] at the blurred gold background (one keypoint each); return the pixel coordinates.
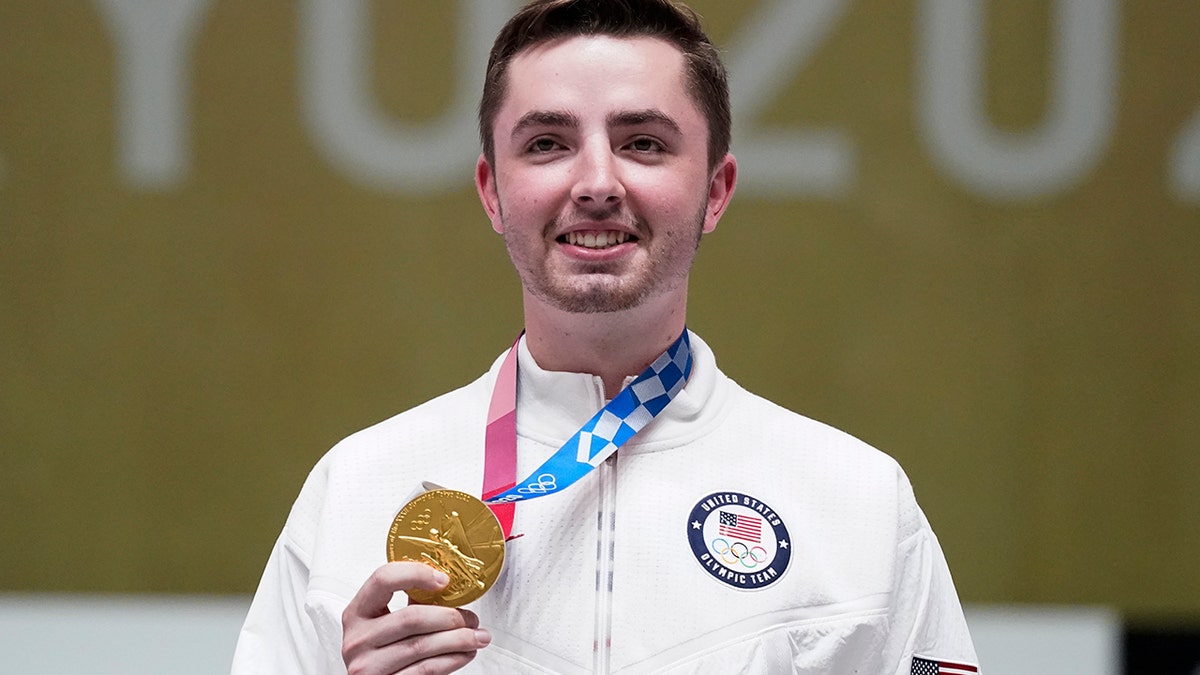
(191, 315)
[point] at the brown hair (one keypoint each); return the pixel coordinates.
(544, 20)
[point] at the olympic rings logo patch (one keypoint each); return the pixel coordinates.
(739, 540)
(738, 553)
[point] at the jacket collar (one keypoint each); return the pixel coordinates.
(552, 405)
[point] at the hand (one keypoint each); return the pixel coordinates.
(424, 639)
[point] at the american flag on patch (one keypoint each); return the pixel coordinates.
(927, 666)
(746, 528)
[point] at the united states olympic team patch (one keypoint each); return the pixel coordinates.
(739, 540)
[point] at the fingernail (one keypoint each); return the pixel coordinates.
(440, 578)
(483, 637)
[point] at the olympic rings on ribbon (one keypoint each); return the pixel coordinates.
(738, 553)
(546, 483)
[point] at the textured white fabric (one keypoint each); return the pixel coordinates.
(867, 585)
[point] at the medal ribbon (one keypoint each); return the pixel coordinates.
(610, 428)
(500, 440)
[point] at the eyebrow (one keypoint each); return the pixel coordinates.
(546, 118)
(569, 120)
(632, 118)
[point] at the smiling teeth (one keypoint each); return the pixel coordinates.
(596, 239)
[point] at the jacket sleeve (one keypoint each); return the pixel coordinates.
(279, 634)
(926, 618)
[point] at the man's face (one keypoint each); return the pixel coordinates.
(600, 184)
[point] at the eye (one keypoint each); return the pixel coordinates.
(645, 144)
(543, 145)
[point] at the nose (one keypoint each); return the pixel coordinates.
(597, 177)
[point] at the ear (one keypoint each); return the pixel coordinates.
(485, 185)
(720, 191)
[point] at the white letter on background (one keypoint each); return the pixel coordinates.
(1185, 162)
(774, 44)
(153, 39)
(1017, 166)
(355, 135)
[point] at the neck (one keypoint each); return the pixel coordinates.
(612, 346)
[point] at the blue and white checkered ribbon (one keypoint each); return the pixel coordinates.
(610, 428)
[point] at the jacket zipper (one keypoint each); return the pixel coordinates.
(606, 518)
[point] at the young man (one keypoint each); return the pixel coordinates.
(728, 535)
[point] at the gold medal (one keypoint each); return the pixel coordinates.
(453, 532)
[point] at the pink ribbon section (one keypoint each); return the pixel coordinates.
(500, 441)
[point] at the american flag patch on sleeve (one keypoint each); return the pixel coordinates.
(924, 665)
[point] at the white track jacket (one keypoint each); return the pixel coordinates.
(729, 536)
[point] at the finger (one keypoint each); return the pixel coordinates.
(375, 664)
(441, 651)
(470, 619)
(414, 620)
(443, 663)
(452, 647)
(376, 592)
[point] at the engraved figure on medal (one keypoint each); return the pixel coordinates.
(455, 533)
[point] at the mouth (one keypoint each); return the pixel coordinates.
(596, 240)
